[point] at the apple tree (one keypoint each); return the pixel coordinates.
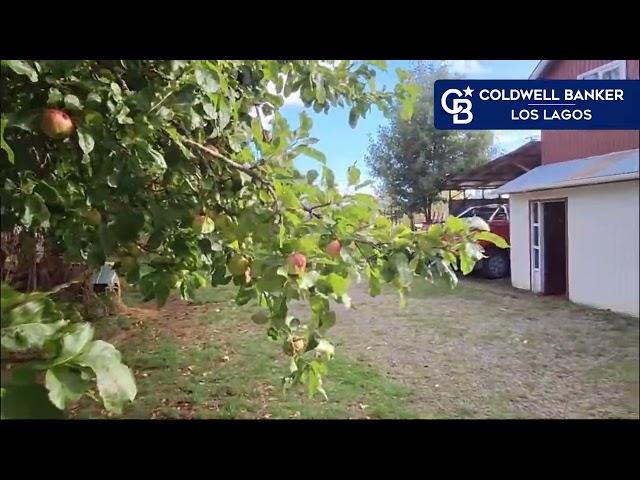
(183, 173)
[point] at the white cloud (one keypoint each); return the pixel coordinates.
(331, 64)
(509, 140)
(466, 67)
(293, 99)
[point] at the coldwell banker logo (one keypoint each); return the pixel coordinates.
(537, 104)
(460, 106)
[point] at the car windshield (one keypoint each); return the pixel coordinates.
(485, 212)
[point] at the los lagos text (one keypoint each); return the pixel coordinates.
(551, 114)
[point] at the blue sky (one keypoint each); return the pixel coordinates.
(344, 145)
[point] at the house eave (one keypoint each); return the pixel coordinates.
(539, 70)
(575, 183)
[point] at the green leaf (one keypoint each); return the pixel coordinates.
(158, 158)
(311, 176)
(381, 64)
(162, 288)
(35, 211)
(85, 140)
(127, 226)
(55, 97)
(26, 336)
(313, 153)
(206, 80)
(93, 98)
(245, 295)
(408, 102)
(116, 91)
(375, 286)
(404, 272)
(305, 122)
(74, 342)
(314, 375)
(328, 178)
(25, 374)
(116, 384)
(325, 348)
(65, 385)
(3, 144)
(204, 225)
(497, 240)
(93, 118)
(175, 137)
(339, 285)
(321, 94)
(307, 243)
(123, 117)
(18, 308)
(24, 119)
(256, 130)
(466, 264)
(72, 102)
(456, 224)
(27, 402)
(21, 67)
(353, 174)
(353, 117)
(314, 382)
(364, 184)
(326, 320)
(308, 279)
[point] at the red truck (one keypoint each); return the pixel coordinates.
(497, 265)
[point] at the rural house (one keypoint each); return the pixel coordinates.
(574, 219)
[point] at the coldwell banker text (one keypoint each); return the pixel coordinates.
(552, 112)
(537, 104)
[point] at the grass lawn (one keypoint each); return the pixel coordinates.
(213, 362)
(483, 350)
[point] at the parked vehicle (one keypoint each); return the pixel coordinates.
(497, 264)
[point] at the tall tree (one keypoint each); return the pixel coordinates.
(412, 159)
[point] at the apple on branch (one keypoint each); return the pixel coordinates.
(57, 123)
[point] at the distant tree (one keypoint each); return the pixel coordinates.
(412, 159)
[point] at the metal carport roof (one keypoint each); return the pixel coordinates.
(497, 172)
(611, 167)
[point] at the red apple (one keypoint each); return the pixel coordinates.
(297, 263)
(57, 123)
(238, 265)
(198, 222)
(333, 248)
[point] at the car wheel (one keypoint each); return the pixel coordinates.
(496, 266)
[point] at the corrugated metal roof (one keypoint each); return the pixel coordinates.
(541, 67)
(500, 170)
(610, 167)
(105, 276)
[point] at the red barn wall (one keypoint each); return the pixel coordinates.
(559, 146)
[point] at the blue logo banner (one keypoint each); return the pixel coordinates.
(537, 104)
